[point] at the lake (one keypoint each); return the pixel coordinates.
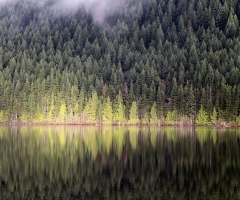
(72, 162)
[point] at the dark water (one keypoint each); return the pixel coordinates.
(119, 163)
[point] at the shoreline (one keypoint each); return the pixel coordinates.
(226, 125)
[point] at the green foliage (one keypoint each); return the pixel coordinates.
(176, 56)
(62, 113)
(145, 118)
(24, 117)
(214, 116)
(107, 112)
(39, 116)
(202, 117)
(90, 110)
(238, 120)
(171, 117)
(160, 101)
(153, 114)
(119, 110)
(133, 116)
(50, 115)
(3, 117)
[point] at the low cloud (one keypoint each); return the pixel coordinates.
(100, 9)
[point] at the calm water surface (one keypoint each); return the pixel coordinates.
(119, 163)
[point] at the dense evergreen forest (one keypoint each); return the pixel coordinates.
(152, 61)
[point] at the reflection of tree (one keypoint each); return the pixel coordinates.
(107, 138)
(90, 142)
(116, 162)
(118, 140)
(133, 132)
(171, 133)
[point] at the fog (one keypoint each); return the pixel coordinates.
(100, 9)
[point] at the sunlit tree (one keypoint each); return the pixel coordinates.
(133, 115)
(202, 117)
(107, 112)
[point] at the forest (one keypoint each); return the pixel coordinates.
(165, 62)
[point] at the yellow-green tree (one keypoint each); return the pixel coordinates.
(50, 114)
(133, 114)
(171, 117)
(145, 118)
(238, 120)
(214, 116)
(39, 116)
(51, 109)
(90, 110)
(119, 114)
(3, 117)
(76, 111)
(107, 113)
(24, 117)
(62, 113)
(202, 117)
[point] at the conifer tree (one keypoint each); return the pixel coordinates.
(153, 114)
(181, 55)
(39, 116)
(107, 112)
(62, 113)
(119, 112)
(90, 110)
(145, 118)
(133, 114)
(214, 116)
(174, 97)
(171, 117)
(130, 99)
(3, 117)
(202, 117)
(160, 101)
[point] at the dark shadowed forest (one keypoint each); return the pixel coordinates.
(150, 62)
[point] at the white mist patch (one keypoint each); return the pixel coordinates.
(100, 9)
(4, 2)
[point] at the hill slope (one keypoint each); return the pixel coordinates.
(151, 60)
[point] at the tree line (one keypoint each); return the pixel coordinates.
(166, 62)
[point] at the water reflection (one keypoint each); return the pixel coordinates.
(115, 162)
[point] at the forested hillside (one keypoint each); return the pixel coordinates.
(153, 61)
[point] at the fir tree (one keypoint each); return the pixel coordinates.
(214, 116)
(133, 115)
(202, 117)
(153, 114)
(119, 112)
(107, 112)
